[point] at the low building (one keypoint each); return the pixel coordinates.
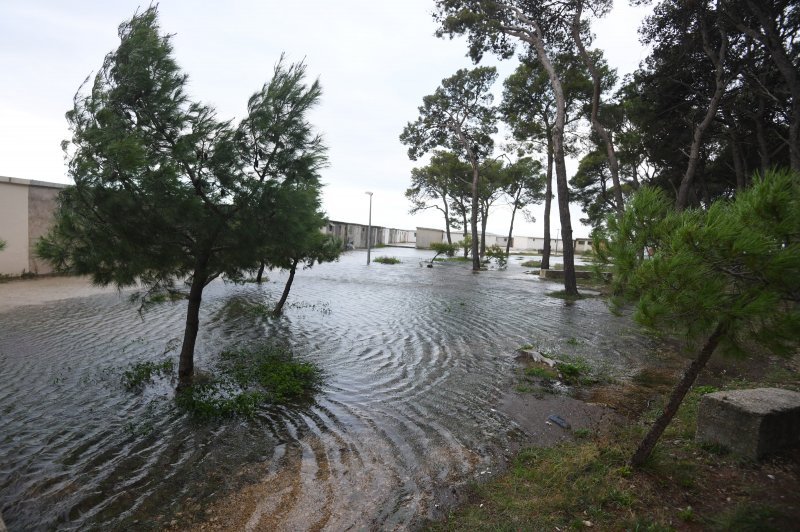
(427, 236)
(26, 214)
(355, 235)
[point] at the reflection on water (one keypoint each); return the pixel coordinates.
(414, 358)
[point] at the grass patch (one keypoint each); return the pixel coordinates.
(588, 483)
(249, 378)
(531, 264)
(141, 373)
(452, 259)
(386, 260)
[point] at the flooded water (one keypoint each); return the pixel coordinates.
(415, 360)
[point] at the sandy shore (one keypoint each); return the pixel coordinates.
(21, 292)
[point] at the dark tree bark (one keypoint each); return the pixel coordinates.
(279, 307)
(598, 127)
(718, 59)
(260, 274)
(484, 220)
(548, 201)
(476, 259)
(570, 280)
(186, 357)
(684, 385)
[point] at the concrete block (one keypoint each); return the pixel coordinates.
(752, 423)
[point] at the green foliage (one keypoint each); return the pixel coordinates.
(165, 190)
(248, 379)
(386, 260)
(497, 254)
(737, 264)
(444, 248)
(531, 264)
(141, 373)
(466, 244)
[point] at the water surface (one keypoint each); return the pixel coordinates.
(415, 361)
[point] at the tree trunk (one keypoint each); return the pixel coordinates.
(699, 131)
(548, 201)
(466, 225)
(649, 442)
(570, 281)
(285, 295)
(772, 40)
(447, 219)
(761, 137)
(484, 220)
(186, 358)
(511, 227)
(260, 272)
(601, 131)
(738, 165)
(476, 260)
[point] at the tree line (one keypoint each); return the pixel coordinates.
(715, 102)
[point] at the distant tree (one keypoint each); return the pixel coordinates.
(529, 108)
(459, 115)
(524, 185)
(315, 248)
(442, 248)
(2, 244)
(545, 27)
(163, 189)
(721, 278)
(295, 237)
(491, 189)
(436, 184)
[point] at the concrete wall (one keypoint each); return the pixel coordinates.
(13, 226)
(427, 236)
(357, 234)
(26, 213)
(42, 204)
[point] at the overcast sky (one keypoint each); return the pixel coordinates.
(375, 60)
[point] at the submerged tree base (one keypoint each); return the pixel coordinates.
(246, 379)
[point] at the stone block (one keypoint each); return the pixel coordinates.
(751, 423)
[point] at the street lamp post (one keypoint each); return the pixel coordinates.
(369, 226)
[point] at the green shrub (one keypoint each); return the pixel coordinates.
(386, 260)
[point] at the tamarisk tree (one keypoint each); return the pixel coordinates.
(166, 191)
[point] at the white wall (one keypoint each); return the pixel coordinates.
(14, 225)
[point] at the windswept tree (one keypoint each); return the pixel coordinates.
(435, 185)
(166, 191)
(723, 279)
(600, 77)
(458, 116)
(491, 189)
(544, 26)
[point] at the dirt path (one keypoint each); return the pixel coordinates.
(21, 292)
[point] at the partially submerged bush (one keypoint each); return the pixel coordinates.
(141, 373)
(386, 260)
(249, 378)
